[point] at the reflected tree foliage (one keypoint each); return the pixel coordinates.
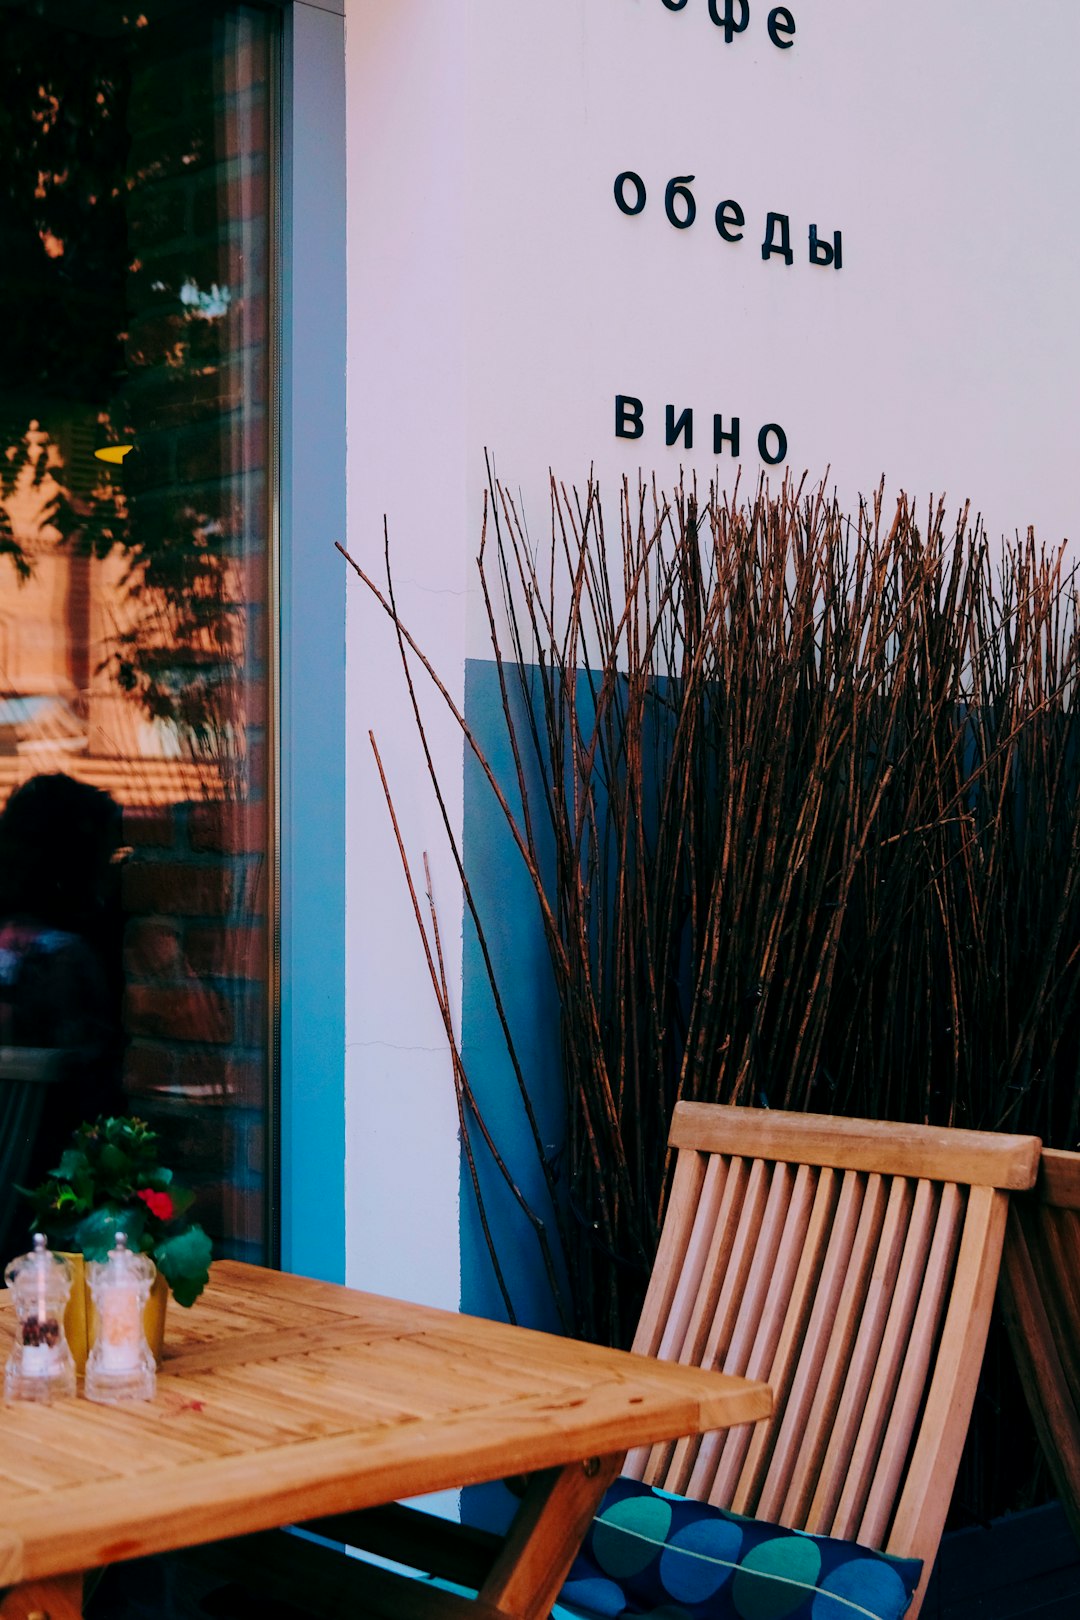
(123, 330)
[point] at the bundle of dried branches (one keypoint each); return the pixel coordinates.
(813, 791)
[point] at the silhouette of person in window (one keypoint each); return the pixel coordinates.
(60, 979)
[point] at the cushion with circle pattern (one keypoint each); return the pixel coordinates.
(651, 1553)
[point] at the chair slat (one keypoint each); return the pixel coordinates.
(735, 1442)
(796, 1414)
(694, 1260)
(686, 1184)
(928, 1485)
(754, 1295)
(692, 1172)
(716, 1268)
(655, 1464)
(871, 1423)
(739, 1255)
(859, 1373)
(781, 1371)
(699, 1226)
(845, 1328)
(907, 1401)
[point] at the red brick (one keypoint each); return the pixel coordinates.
(147, 1069)
(249, 1015)
(208, 1081)
(151, 950)
(229, 829)
(237, 1082)
(237, 191)
(181, 1012)
(256, 703)
(227, 953)
(251, 63)
(253, 126)
(176, 889)
(256, 762)
(255, 577)
(150, 827)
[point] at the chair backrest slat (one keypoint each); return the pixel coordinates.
(907, 1402)
(851, 1264)
(769, 1325)
(668, 1267)
(694, 1262)
(928, 1485)
(730, 1350)
(842, 1340)
(781, 1372)
(871, 1422)
(791, 1420)
(835, 1467)
(692, 1353)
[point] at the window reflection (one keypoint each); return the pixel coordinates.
(135, 177)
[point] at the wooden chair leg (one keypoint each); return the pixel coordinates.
(58, 1599)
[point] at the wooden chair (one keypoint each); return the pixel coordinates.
(852, 1264)
(1040, 1296)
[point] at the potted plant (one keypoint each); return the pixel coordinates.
(111, 1180)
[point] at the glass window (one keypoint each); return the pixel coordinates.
(136, 191)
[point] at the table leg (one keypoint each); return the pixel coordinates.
(57, 1599)
(545, 1536)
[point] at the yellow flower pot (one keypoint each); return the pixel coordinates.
(80, 1318)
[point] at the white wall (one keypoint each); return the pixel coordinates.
(499, 298)
(407, 458)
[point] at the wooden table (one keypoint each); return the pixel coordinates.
(282, 1399)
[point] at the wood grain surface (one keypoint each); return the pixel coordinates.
(282, 1398)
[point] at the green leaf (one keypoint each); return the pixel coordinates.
(96, 1235)
(182, 1198)
(73, 1163)
(115, 1163)
(184, 1260)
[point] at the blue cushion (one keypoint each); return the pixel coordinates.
(651, 1553)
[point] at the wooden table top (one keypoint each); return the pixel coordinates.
(281, 1398)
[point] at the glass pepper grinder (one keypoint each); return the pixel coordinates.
(40, 1367)
(120, 1366)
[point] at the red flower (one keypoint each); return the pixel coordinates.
(158, 1203)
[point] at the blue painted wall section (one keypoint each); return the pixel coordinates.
(509, 915)
(313, 646)
(507, 906)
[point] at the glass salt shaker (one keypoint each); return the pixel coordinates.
(40, 1367)
(120, 1366)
